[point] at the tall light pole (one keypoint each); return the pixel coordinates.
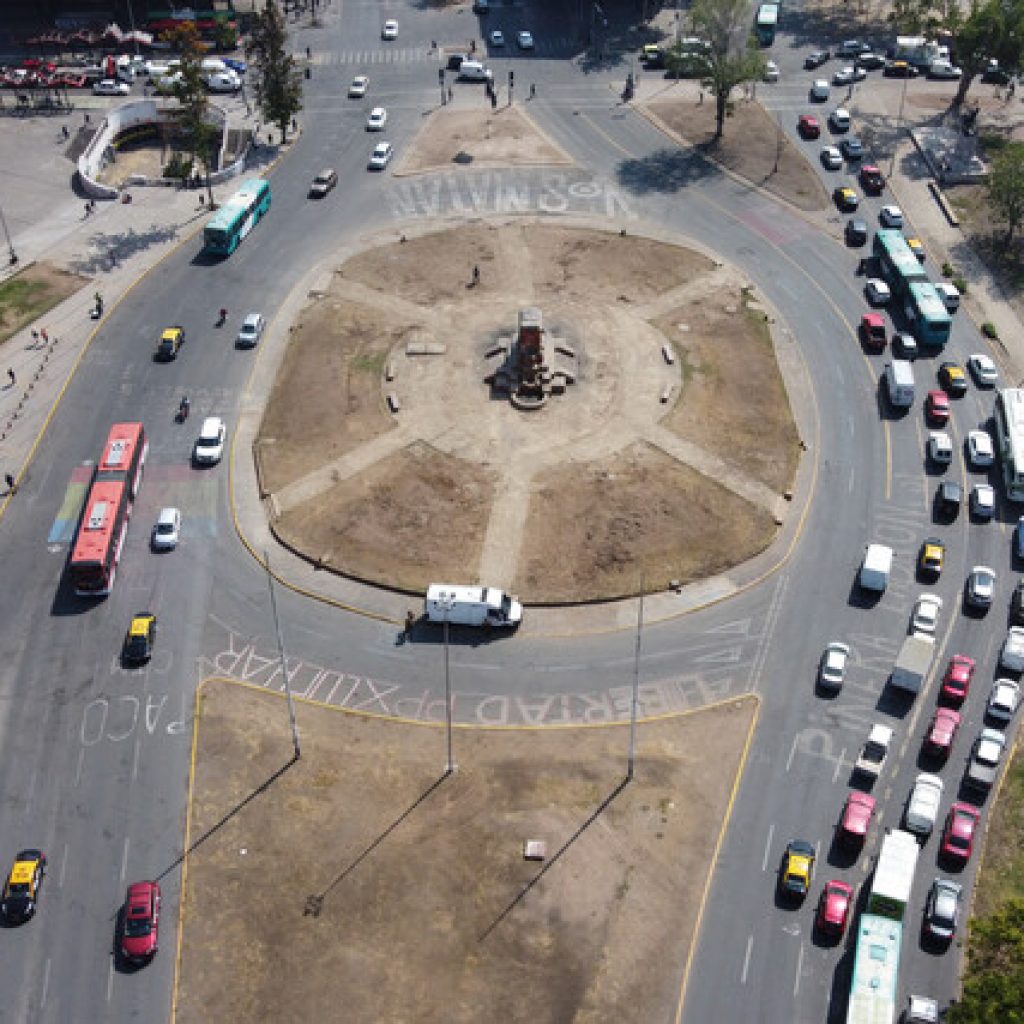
(899, 122)
(450, 766)
(281, 654)
(634, 704)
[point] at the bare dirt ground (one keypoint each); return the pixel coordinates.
(724, 344)
(360, 877)
(505, 137)
(597, 496)
(748, 148)
(30, 293)
(637, 514)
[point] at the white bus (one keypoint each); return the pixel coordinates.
(1010, 440)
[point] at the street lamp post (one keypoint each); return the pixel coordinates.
(634, 704)
(899, 123)
(284, 664)
(7, 235)
(450, 765)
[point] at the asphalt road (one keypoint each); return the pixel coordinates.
(95, 758)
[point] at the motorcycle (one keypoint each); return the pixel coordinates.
(183, 409)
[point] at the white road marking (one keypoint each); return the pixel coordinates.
(63, 866)
(840, 761)
(124, 859)
(792, 751)
(135, 759)
(746, 960)
(46, 983)
(768, 846)
(799, 968)
(78, 769)
(31, 788)
(110, 980)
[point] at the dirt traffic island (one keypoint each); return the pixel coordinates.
(360, 877)
(390, 458)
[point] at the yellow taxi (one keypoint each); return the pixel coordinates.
(170, 341)
(22, 888)
(797, 869)
(916, 246)
(929, 562)
(845, 198)
(138, 643)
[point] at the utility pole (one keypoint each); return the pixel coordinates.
(450, 765)
(636, 684)
(7, 235)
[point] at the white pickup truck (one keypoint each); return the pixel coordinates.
(1012, 655)
(923, 805)
(875, 751)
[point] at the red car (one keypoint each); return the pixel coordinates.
(872, 331)
(936, 407)
(857, 815)
(942, 732)
(957, 680)
(871, 179)
(834, 908)
(808, 127)
(141, 922)
(958, 835)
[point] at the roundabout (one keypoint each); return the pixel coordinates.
(389, 452)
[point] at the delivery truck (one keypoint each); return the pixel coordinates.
(472, 606)
(913, 663)
(875, 569)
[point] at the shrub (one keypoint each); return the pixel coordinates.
(947, 270)
(960, 284)
(989, 330)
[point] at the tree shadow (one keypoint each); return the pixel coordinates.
(237, 809)
(108, 250)
(522, 894)
(315, 901)
(666, 171)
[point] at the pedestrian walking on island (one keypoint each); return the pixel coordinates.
(410, 622)
(449, 94)
(44, 336)
(64, 131)
(13, 380)
(476, 276)
(88, 210)
(533, 90)
(12, 487)
(35, 337)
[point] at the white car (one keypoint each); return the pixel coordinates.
(839, 119)
(981, 587)
(819, 91)
(940, 447)
(983, 370)
(983, 501)
(980, 451)
(223, 81)
(381, 156)
(108, 87)
(950, 295)
(377, 119)
(525, 41)
(926, 614)
(771, 71)
(923, 805)
(390, 30)
(832, 670)
(944, 69)
(166, 530)
(497, 37)
(359, 86)
(891, 217)
(832, 158)
(877, 291)
(210, 443)
(849, 75)
(1004, 700)
(251, 330)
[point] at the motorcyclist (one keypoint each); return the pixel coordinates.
(223, 315)
(184, 407)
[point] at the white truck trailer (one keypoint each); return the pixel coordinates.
(913, 663)
(894, 875)
(472, 606)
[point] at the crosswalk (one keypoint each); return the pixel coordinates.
(562, 46)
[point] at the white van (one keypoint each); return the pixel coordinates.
(471, 606)
(949, 294)
(474, 71)
(875, 569)
(899, 378)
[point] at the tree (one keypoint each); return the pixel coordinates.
(733, 57)
(190, 91)
(994, 984)
(1006, 187)
(279, 92)
(992, 30)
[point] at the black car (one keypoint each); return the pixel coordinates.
(856, 231)
(852, 148)
(948, 499)
(1017, 605)
(816, 59)
(993, 74)
(905, 345)
(852, 48)
(871, 61)
(455, 61)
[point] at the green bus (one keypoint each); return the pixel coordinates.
(237, 217)
(899, 266)
(929, 319)
(766, 23)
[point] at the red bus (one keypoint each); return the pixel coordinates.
(108, 507)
